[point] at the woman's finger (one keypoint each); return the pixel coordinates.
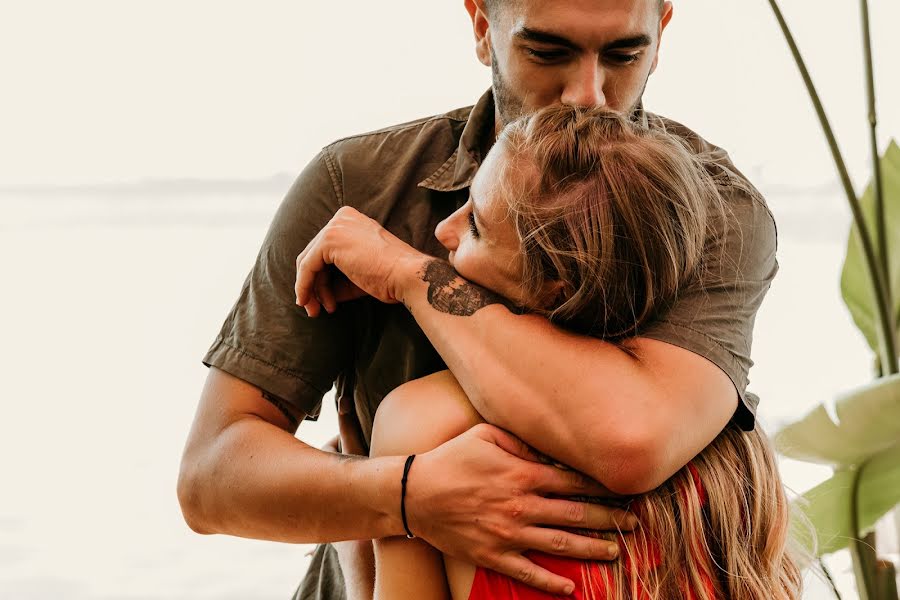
(309, 263)
(344, 289)
(301, 290)
(568, 513)
(565, 543)
(324, 291)
(313, 307)
(521, 569)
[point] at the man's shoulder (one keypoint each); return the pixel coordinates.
(691, 138)
(752, 233)
(732, 182)
(435, 133)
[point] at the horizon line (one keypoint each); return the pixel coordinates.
(157, 185)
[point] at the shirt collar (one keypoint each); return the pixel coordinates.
(458, 171)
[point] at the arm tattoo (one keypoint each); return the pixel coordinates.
(282, 406)
(449, 293)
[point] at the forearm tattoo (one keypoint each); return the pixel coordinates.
(449, 293)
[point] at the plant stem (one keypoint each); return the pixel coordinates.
(863, 550)
(878, 192)
(876, 273)
(827, 572)
(884, 313)
(877, 182)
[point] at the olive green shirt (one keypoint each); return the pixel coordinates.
(409, 177)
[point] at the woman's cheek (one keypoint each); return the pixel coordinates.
(465, 263)
(460, 262)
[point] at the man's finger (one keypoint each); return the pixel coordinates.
(566, 482)
(568, 513)
(565, 543)
(506, 441)
(521, 569)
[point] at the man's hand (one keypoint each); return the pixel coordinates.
(373, 260)
(482, 497)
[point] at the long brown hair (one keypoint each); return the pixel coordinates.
(719, 528)
(620, 215)
(624, 219)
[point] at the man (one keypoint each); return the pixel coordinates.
(478, 497)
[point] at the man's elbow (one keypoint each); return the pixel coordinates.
(636, 467)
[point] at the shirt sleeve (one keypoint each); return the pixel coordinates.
(715, 318)
(267, 340)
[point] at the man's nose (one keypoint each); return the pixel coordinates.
(585, 87)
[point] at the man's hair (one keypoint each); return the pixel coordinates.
(490, 5)
(625, 216)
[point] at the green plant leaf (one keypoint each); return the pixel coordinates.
(868, 422)
(828, 505)
(856, 285)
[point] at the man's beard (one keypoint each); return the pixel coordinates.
(509, 106)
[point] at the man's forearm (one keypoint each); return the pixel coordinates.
(259, 481)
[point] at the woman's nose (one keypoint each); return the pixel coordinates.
(447, 232)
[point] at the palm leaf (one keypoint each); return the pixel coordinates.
(868, 422)
(829, 505)
(856, 285)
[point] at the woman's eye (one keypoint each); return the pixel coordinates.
(472, 226)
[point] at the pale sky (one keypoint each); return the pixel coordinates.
(112, 90)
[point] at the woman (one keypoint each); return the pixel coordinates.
(597, 224)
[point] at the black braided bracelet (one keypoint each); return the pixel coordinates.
(409, 461)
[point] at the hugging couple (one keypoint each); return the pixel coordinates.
(537, 312)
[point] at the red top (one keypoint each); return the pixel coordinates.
(491, 585)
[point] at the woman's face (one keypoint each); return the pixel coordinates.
(481, 236)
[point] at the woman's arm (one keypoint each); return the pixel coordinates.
(415, 418)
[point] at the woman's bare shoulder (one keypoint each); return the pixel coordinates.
(421, 415)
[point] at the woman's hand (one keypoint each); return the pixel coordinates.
(374, 262)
